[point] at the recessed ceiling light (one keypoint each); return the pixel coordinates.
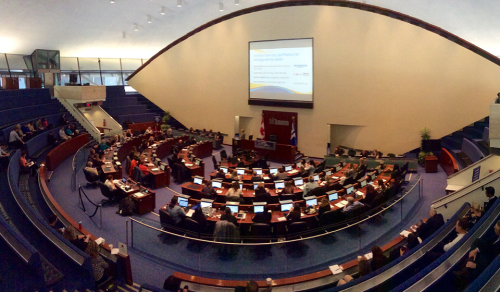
(221, 7)
(179, 3)
(149, 18)
(163, 10)
(136, 27)
(112, 1)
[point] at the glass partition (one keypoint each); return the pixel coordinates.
(286, 253)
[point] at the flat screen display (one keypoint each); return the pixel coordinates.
(183, 202)
(255, 185)
(286, 207)
(206, 204)
(333, 197)
(349, 190)
(363, 183)
(316, 177)
(258, 209)
(288, 167)
(234, 208)
(273, 170)
(240, 171)
(298, 181)
(328, 172)
(258, 171)
(299, 164)
(281, 72)
(279, 184)
(312, 202)
(224, 169)
(198, 180)
(216, 184)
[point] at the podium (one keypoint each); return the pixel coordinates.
(281, 153)
(431, 164)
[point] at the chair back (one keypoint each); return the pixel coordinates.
(127, 163)
(295, 228)
(261, 230)
(351, 152)
(192, 226)
(105, 191)
(223, 154)
(137, 174)
(319, 191)
(90, 177)
(331, 217)
(215, 162)
(166, 219)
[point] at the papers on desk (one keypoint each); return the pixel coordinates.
(107, 162)
(219, 191)
(335, 177)
(281, 218)
(341, 204)
(293, 171)
(322, 183)
(336, 269)
(115, 251)
(384, 180)
(155, 169)
(265, 177)
(302, 214)
(100, 241)
(405, 233)
(301, 187)
(190, 213)
(369, 256)
(359, 193)
(189, 164)
(30, 163)
(183, 160)
(139, 195)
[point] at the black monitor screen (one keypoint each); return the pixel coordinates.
(431, 145)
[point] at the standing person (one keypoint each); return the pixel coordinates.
(490, 193)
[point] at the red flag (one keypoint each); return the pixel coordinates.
(262, 130)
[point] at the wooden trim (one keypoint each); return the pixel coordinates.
(341, 3)
(124, 258)
(448, 162)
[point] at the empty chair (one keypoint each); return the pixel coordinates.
(351, 152)
(261, 232)
(167, 221)
(295, 229)
(332, 217)
(105, 191)
(192, 226)
(216, 164)
(223, 154)
(319, 191)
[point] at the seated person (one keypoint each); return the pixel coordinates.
(256, 177)
(199, 217)
(27, 166)
(62, 134)
(45, 124)
(169, 133)
(91, 169)
(310, 185)
(128, 133)
(180, 145)
(310, 166)
(4, 156)
(51, 139)
(176, 212)
(100, 267)
(379, 259)
(98, 160)
(263, 217)
(220, 174)
(288, 189)
(377, 154)
(111, 186)
(475, 213)
(261, 189)
(490, 193)
(209, 190)
(295, 213)
(234, 175)
(79, 241)
(435, 221)
(148, 131)
(69, 132)
(324, 206)
(53, 222)
(369, 195)
(102, 146)
(228, 216)
(14, 139)
(365, 153)
(234, 193)
(281, 174)
(63, 121)
(38, 125)
(351, 204)
(27, 132)
(412, 241)
(338, 151)
(461, 227)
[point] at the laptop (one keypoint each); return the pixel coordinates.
(288, 167)
(328, 172)
(198, 180)
(279, 184)
(258, 207)
(286, 205)
(258, 171)
(298, 181)
(298, 164)
(183, 200)
(206, 203)
(233, 206)
(273, 170)
(349, 189)
(217, 184)
(362, 182)
(311, 201)
(240, 171)
(316, 176)
(224, 169)
(332, 196)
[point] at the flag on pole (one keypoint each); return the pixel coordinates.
(262, 130)
(293, 136)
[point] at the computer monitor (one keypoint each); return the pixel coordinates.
(316, 176)
(241, 185)
(328, 172)
(311, 201)
(157, 161)
(288, 167)
(298, 181)
(197, 161)
(233, 206)
(198, 180)
(162, 167)
(206, 203)
(362, 182)
(224, 169)
(256, 184)
(349, 189)
(286, 205)
(217, 184)
(240, 171)
(124, 180)
(273, 170)
(183, 200)
(258, 171)
(279, 184)
(332, 196)
(374, 175)
(338, 168)
(258, 207)
(298, 164)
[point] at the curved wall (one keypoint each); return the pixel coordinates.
(387, 78)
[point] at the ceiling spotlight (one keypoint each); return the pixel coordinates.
(136, 27)
(112, 1)
(124, 35)
(179, 3)
(236, 2)
(149, 18)
(221, 7)
(163, 10)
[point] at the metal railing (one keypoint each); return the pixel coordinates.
(98, 207)
(79, 160)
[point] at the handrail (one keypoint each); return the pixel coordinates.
(74, 111)
(73, 165)
(466, 190)
(97, 206)
(112, 119)
(470, 166)
(293, 240)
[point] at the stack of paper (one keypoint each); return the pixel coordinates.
(335, 177)
(265, 177)
(405, 233)
(219, 191)
(339, 205)
(293, 171)
(189, 164)
(115, 251)
(336, 269)
(190, 213)
(281, 218)
(100, 240)
(368, 256)
(155, 169)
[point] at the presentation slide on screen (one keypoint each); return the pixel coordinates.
(281, 70)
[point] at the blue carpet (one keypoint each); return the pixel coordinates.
(155, 258)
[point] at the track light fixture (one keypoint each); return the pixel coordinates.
(179, 3)
(163, 10)
(236, 2)
(149, 18)
(221, 7)
(112, 1)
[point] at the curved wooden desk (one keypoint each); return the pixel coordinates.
(64, 150)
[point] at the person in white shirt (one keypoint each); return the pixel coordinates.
(63, 135)
(461, 228)
(310, 185)
(149, 131)
(14, 138)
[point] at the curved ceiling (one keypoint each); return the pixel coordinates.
(96, 28)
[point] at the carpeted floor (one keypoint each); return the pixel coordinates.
(155, 258)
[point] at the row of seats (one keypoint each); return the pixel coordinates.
(11, 99)
(53, 119)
